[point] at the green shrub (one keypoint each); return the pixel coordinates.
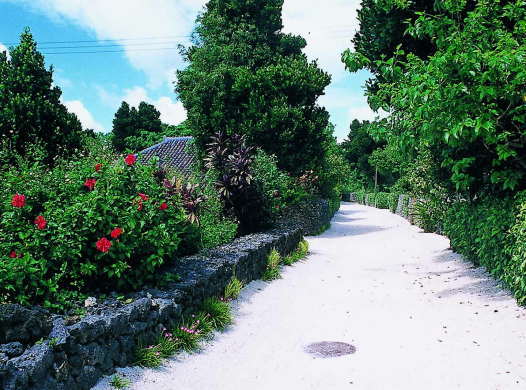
(215, 228)
(187, 335)
(490, 232)
(91, 224)
(515, 271)
(118, 382)
(279, 188)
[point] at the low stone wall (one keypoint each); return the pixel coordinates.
(310, 217)
(73, 353)
(404, 207)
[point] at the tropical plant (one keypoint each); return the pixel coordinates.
(232, 159)
(95, 223)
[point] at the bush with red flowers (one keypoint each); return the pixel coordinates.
(77, 229)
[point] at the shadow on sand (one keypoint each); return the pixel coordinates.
(478, 282)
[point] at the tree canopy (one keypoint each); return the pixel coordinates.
(464, 102)
(138, 128)
(245, 76)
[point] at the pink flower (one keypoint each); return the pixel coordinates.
(130, 159)
(13, 255)
(98, 167)
(103, 245)
(144, 197)
(163, 206)
(18, 201)
(40, 222)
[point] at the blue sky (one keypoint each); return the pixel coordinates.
(94, 84)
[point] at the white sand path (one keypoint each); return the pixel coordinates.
(419, 316)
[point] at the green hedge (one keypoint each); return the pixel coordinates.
(492, 233)
(381, 200)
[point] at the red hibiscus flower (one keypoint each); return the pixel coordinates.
(103, 245)
(40, 222)
(98, 167)
(144, 197)
(130, 159)
(163, 206)
(115, 233)
(18, 200)
(13, 255)
(139, 205)
(90, 184)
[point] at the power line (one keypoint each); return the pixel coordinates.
(104, 46)
(110, 51)
(106, 40)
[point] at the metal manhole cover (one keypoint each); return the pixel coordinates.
(328, 349)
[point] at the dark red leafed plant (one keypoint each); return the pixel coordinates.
(192, 200)
(242, 197)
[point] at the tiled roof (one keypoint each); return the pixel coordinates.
(172, 152)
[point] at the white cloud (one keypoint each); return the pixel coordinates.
(85, 117)
(327, 26)
(131, 19)
(172, 112)
(4, 48)
(361, 111)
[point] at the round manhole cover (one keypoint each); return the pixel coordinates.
(328, 349)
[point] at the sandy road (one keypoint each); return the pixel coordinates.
(419, 316)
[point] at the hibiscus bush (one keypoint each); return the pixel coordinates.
(98, 223)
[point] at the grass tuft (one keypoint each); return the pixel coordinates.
(233, 288)
(300, 253)
(273, 262)
(119, 382)
(219, 313)
(187, 336)
(149, 356)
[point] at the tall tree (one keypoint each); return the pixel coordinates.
(246, 76)
(30, 107)
(136, 128)
(148, 118)
(123, 126)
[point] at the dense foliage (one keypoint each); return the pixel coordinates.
(245, 76)
(465, 101)
(98, 220)
(30, 107)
